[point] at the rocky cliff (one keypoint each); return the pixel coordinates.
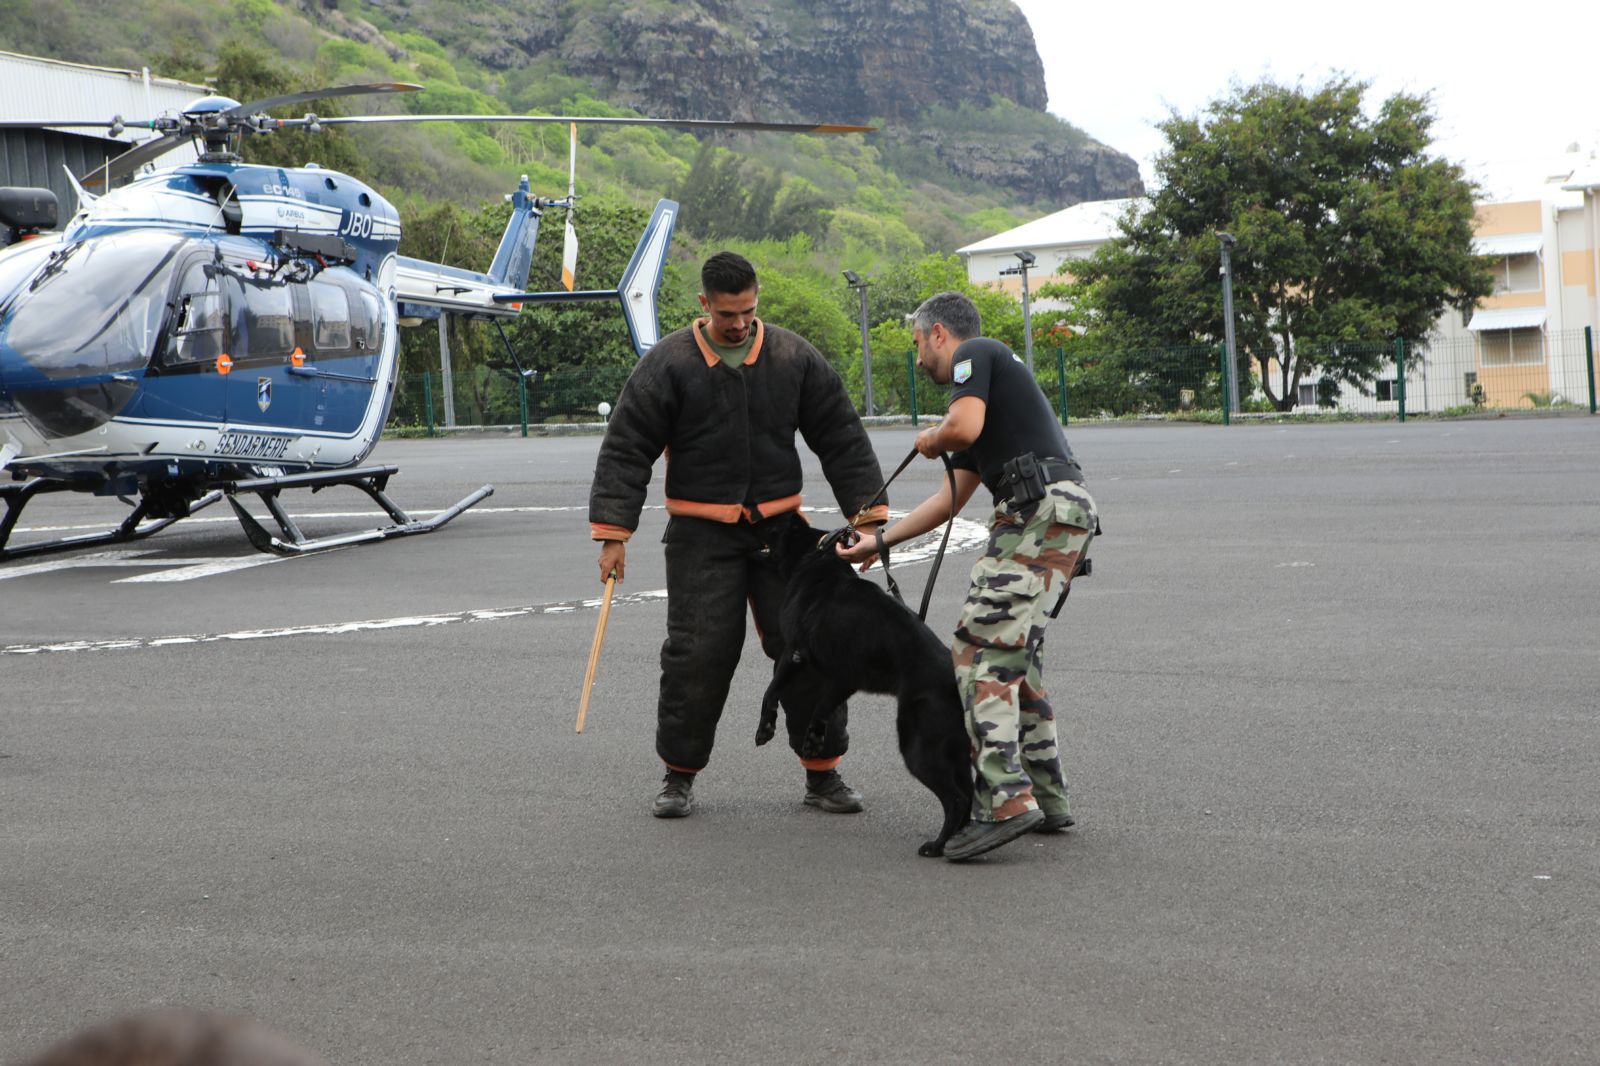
(841, 60)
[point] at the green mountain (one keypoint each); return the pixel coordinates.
(965, 148)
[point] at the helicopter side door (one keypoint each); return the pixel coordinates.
(262, 389)
(188, 379)
(344, 337)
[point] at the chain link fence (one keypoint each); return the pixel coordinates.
(1516, 370)
(486, 396)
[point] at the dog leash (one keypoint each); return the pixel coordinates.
(883, 547)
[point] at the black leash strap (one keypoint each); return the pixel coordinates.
(872, 501)
(883, 547)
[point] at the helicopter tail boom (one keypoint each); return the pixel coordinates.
(425, 288)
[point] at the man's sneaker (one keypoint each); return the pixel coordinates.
(1055, 823)
(979, 837)
(829, 792)
(676, 798)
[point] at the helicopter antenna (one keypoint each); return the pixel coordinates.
(85, 197)
(569, 247)
(224, 197)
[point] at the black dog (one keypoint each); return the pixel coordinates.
(853, 635)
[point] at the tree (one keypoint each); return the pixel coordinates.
(247, 73)
(894, 294)
(726, 197)
(1346, 230)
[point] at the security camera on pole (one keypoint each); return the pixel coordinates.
(1027, 260)
(858, 283)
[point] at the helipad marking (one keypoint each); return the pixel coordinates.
(335, 628)
(313, 515)
(964, 536)
(173, 568)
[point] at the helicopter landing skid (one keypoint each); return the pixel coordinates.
(372, 480)
(136, 526)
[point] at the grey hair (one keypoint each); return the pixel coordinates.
(953, 311)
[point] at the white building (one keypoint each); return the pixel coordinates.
(1053, 240)
(36, 90)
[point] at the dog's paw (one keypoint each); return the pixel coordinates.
(765, 732)
(931, 850)
(814, 744)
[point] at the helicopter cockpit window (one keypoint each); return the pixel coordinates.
(200, 328)
(368, 324)
(268, 319)
(93, 307)
(330, 307)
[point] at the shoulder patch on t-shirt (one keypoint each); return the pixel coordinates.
(1017, 357)
(963, 371)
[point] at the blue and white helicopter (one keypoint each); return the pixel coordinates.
(220, 328)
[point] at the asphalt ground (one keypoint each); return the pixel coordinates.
(1329, 710)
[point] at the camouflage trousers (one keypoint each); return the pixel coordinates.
(999, 649)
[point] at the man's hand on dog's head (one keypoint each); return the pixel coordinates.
(613, 559)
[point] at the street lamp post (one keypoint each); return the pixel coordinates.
(1027, 260)
(859, 284)
(1227, 320)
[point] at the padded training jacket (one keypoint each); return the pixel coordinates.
(728, 433)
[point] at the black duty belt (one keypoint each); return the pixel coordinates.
(1019, 485)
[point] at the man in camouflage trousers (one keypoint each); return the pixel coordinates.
(1005, 436)
(999, 652)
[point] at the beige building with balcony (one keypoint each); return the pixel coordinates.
(1524, 344)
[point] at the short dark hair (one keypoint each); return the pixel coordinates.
(727, 272)
(953, 311)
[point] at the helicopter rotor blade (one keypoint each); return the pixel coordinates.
(134, 158)
(569, 246)
(572, 163)
(110, 124)
(256, 106)
(597, 120)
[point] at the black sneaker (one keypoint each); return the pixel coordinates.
(1055, 823)
(979, 837)
(676, 798)
(828, 792)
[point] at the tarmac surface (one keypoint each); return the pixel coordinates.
(1328, 704)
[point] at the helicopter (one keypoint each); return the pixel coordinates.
(220, 329)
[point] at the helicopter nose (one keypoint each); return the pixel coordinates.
(59, 407)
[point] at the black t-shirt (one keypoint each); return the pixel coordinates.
(1017, 417)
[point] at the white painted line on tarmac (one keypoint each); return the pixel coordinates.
(335, 628)
(171, 568)
(228, 518)
(966, 535)
(193, 569)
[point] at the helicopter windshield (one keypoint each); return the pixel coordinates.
(94, 307)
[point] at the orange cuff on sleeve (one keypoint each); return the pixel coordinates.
(880, 513)
(600, 531)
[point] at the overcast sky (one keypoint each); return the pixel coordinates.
(1509, 95)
